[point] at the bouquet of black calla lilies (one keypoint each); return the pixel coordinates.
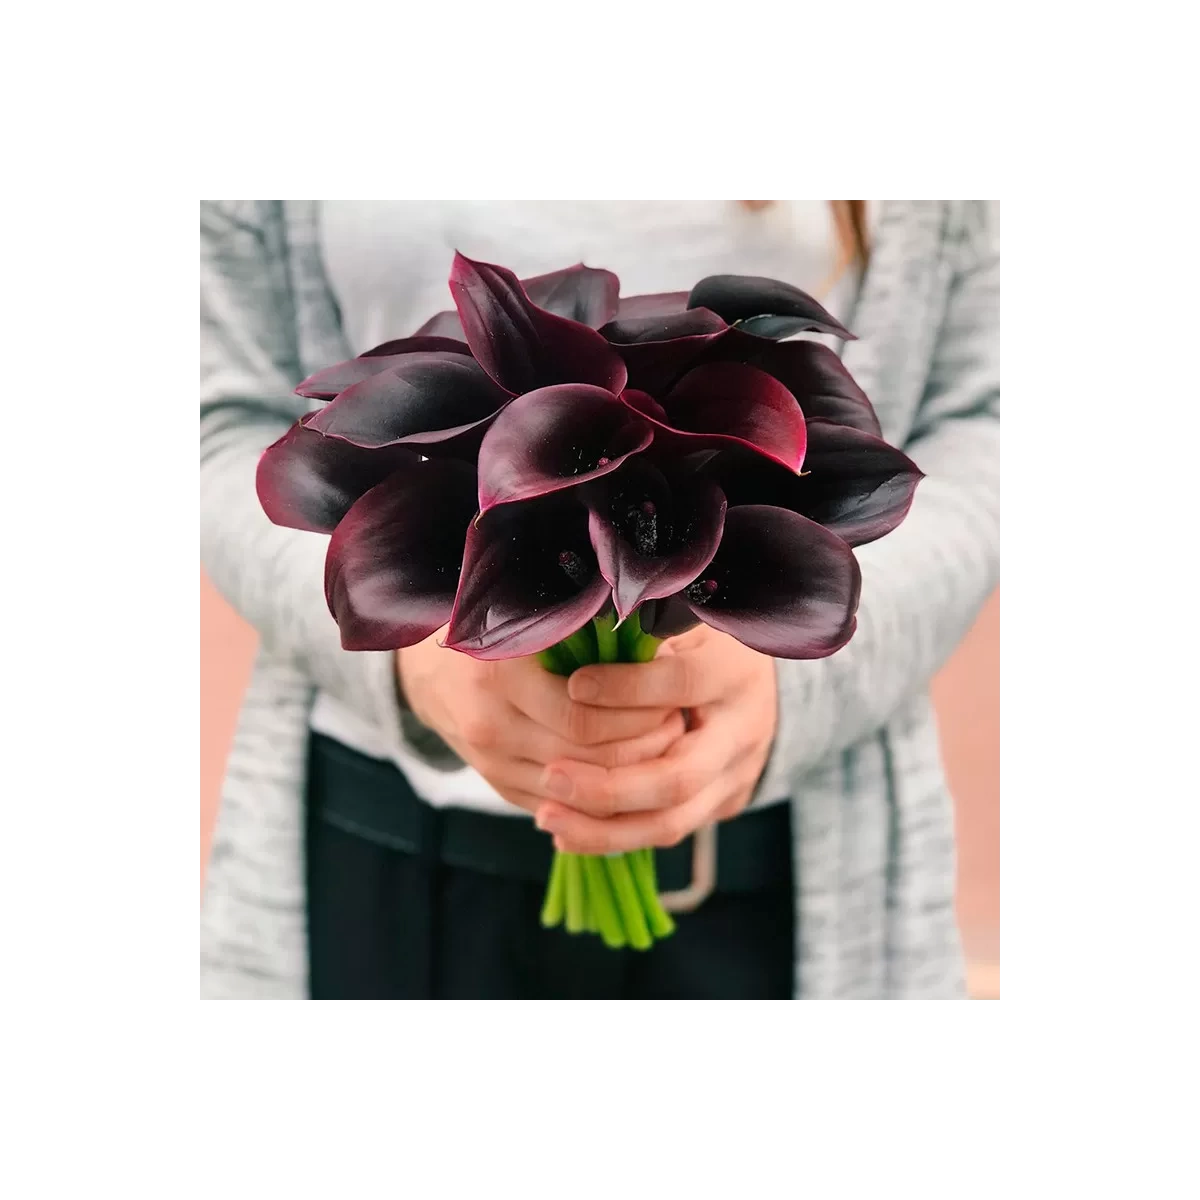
(557, 470)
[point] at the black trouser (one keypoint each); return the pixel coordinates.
(396, 910)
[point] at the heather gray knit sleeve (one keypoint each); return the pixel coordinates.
(924, 584)
(249, 361)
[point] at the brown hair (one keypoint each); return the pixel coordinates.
(850, 222)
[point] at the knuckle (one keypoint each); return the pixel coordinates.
(580, 724)
(606, 797)
(671, 831)
(681, 787)
(478, 730)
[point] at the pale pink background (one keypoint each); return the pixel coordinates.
(967, 694)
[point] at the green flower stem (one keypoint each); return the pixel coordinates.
(574, 874)
(659, 920)
(557, 660)
(636, 644)
(627, 636)
(556, 893)
(615, 897)
(603, 902)
(607, 644)
(628, 900)
(581, 645)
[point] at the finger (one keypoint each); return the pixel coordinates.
(517, 782)
(690, 766)
(618, 754)
(519, 737)
(543, 697)
(578, 833)
(675, 681)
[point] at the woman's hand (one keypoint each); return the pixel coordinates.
(708, 774)
(509, 719)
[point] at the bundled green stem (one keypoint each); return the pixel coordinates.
(613, 895)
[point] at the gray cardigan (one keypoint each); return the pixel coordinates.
(856, 748)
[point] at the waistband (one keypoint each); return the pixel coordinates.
(374, 800)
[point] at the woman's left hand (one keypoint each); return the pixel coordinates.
(708, 775)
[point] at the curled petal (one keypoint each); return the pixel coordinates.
(856, 485)
(555, 438)
(521, 346)
(660, 304)
(444, 324)
(423, 400)
(308, 481)
(659, 350)
(665, 327)
(813, 373)
(392, 567)
(766, 307)
(653, 535)
(780, 584)
(583, 294)
(529, 579)
(326, 384)
(729, 405)
(667, 618)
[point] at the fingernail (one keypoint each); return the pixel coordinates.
(583, 687)
(544, 818)
(557, 784)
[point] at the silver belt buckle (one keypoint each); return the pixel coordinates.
(704, 874)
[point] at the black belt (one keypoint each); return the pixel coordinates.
(374, 800)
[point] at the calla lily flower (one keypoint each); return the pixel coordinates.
(580, 293)
(521, 346)
(529, 579)
(779, 583)
(326, 384)
(554, 438)
(423, 400)
(813, 373)
(727, 405)
(652, 534)
(392, 567)
(767, 307)
(308, 481)
(854, 484)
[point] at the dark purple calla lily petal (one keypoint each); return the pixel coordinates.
(667, 618)
(583, 294)
(729, 404)
(423, 400)
(308, 481)
(857, 485)
(553, 438)
(766, 307)
(529, 579)
(854, 484)
(780, 584)
(652, 535)
(326, 384)
(521, 346)
(659, 304)
(411, 345)
(659, 350)
(392, 567)
(813, 373)
(691, 323)
(444, 324)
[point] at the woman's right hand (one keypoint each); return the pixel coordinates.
(508, 719)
